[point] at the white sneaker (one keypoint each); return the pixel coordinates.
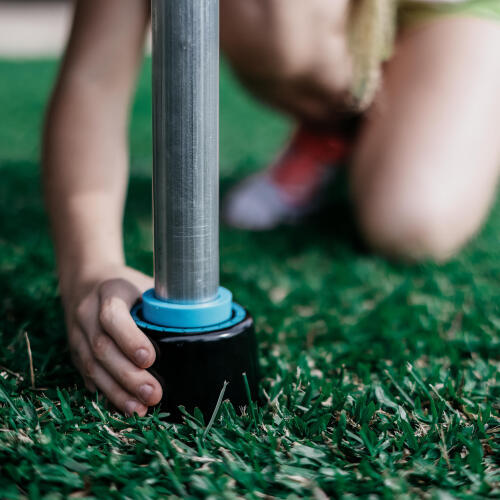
(291, 189)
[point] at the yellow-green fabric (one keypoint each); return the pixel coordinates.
(373, 29)
(413, 12)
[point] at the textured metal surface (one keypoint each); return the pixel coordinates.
(186, 149)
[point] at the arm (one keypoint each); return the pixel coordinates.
(85, 170)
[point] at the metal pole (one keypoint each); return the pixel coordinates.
(186, 149)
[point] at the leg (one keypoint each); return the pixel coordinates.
(291, 53)
(428, 159)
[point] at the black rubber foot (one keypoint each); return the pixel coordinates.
(192, 367)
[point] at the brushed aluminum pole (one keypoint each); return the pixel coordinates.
(186, 149)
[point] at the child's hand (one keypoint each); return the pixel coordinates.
(107, 347)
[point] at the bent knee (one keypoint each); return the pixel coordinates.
(266, 56)
(415, 227)
(286, 57)
(283, 40)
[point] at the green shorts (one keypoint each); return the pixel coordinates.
(374, 27)
(414, 12)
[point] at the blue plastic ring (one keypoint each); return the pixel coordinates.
(237, 316)
(199, 315)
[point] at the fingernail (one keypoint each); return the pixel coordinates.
(132, 407)
(141, 356)
(146, 391)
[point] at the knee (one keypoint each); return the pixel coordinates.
(285, 59)
(270, 57)
(414, 225)
(282, 72)
(275, 41)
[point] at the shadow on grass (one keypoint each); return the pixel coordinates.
(29, 299)
(319, 266)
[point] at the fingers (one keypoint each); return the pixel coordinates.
(116, 299)
(110, 351)
(95, 375)
(79, 351)
(131, 378)
(124, 401)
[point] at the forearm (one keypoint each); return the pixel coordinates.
(85, 177)
(85, 141)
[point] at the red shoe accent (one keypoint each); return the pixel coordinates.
(307, 163)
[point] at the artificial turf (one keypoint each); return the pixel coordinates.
(380, 379)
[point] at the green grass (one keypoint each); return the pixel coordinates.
(381, 379)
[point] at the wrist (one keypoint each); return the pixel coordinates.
(77, 278)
